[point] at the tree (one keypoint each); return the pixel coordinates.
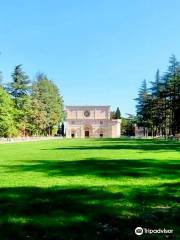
(113, 115)
(144, 108)
(118, 114)
(159, 108)
(128, 126)
(61, 130)
(1, 78)
(173, 92)
(177, 101)
(47, 105)
(19, 89)
(7, 111)
(20, 85)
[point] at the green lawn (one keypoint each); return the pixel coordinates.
(88, 189)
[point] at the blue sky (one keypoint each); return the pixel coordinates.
(96, 51)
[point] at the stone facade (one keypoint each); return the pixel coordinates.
(91, 121)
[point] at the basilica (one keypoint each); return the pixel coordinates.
(91, 122)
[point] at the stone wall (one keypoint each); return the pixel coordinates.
(26, 139)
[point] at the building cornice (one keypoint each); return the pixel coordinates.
(87, 106)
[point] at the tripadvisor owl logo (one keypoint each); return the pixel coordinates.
(138, 231)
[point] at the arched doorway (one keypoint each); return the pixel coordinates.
(87, 131)
(101, 133)
(73, 133)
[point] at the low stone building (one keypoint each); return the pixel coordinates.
(138, 131)
(91, 121)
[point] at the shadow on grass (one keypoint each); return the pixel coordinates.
(85, 213)
(93, 213)
(122, 144)
(147, 147)
(164, 169)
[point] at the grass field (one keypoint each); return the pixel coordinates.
(88, 189)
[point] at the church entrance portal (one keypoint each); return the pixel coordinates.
(73, 133)
(86, 134)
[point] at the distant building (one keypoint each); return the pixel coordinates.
(91, 122)
(139, 131)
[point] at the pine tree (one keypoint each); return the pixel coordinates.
(144, 108)
(118, 114)
(159, 108)
(157, 115)
(177, 101)
(20, 85)
(172, 91)
(19, 89)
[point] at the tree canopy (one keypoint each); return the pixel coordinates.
(30, 107)
(7, 114)
(158, 107)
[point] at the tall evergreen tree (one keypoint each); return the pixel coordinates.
(117, 113)
(19, 89)
(177, 101)
(143, 108)
(157, 115)
(160, 107)
(165, 106)
(20, 85)
(172, 88)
